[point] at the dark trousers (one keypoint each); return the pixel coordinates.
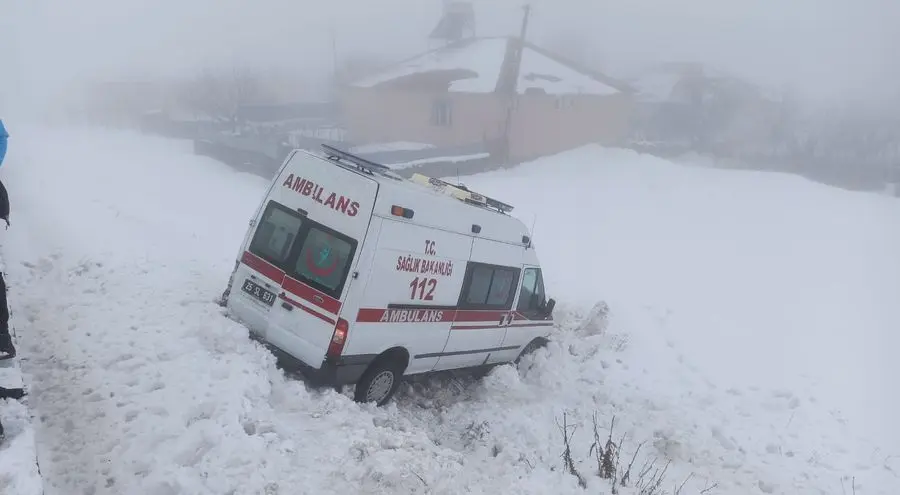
(4, 309)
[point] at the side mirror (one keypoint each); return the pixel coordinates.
(548, 308)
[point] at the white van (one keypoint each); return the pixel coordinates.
(362, 277)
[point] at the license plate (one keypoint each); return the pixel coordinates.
(262, 295)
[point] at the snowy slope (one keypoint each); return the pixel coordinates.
(747, 335)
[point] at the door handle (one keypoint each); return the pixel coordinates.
(287, 306)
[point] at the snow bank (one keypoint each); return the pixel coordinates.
(18, 456)
(747, 315)
(773, 294)
(18, 469)
(791, 274)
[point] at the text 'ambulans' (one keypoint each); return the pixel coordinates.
(412, 264)
(334, 201)
(412, 315)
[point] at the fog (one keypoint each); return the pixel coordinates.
(825, 49)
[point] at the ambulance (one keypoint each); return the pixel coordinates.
(361, 277)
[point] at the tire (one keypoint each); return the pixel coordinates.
(531, 347)
(379, 383)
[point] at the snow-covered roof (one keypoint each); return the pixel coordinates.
(540, 71)
(478, 61)
(476, 66)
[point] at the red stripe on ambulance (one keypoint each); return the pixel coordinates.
(477, 315)
(371, 315)
(291, 285)
(311, 295)
(471, 319)
(311, 311)
(263, 267)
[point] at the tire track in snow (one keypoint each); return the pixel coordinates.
(142, 386)
(63, 392)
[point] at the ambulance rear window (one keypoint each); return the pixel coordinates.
(278, 229)
(306, 250)
(324, 259)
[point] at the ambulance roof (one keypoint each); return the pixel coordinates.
(456, 208)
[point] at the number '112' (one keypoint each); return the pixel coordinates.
(418, 287)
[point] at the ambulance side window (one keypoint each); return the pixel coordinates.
(531, 296)
(278, 229)
(489, 287)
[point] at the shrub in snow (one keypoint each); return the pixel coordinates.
(647, 479)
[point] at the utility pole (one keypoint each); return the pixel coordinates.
(334, 55)
(511, 82)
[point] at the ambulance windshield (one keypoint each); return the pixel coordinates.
(531, 297)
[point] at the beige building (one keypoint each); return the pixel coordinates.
(460, 94)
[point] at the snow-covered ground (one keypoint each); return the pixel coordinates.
(18, 469)
(749, 336)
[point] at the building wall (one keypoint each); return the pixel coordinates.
(545, 124)
(541, 125)
(383, 115)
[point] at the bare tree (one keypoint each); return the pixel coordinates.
(220, 95)
(358, 65)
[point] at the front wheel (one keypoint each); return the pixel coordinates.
(378, 384)
(532, 346)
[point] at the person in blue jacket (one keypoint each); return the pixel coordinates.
(4, 136)
(4, 198)
(7, 349)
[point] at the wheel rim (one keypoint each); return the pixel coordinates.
(380, 386)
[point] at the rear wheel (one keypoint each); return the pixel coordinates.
(379, 383)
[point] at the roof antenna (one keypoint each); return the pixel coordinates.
(533, 223)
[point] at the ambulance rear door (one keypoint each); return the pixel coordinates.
(306, 246)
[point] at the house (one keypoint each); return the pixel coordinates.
(693, 105)
(512, 96)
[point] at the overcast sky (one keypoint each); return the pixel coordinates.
(828, 48)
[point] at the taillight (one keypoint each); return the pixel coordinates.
(338, 338)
